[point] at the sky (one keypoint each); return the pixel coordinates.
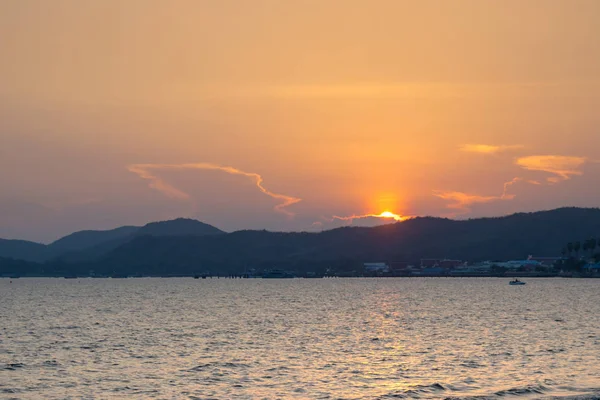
(293, 115)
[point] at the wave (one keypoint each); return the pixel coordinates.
(217, 364)
(416, 392)
(527, 390)
(437, 390)
(13, 367)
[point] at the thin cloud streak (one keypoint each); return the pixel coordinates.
(363, 220)
(461, 201)
(489, 149)
(144, 172)
(505, 194)
(384, 215)
(562, 167)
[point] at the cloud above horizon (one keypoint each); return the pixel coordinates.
(562, 167)
(462, 201)
(144, 171)
(385, 216)
(489, 149)
(517, 179)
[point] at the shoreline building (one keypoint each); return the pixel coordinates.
(380, 267)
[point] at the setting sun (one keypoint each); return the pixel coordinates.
(389, 214)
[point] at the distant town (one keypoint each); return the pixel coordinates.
(531, 266)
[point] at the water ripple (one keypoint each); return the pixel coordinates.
(372, 339)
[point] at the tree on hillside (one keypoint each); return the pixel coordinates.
(576, 248)
(590, 246)
(573, 264)
(569, 248)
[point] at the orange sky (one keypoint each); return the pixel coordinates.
(111, 111)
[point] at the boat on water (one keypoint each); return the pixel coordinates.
(516, 282)
(276, 274)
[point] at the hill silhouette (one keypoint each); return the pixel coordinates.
(512, 237)
(24, 250)
(12, 267)
(178, 227)
(91, 244)
(86, 239)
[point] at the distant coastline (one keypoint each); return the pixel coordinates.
(555, 243)
(516, 275)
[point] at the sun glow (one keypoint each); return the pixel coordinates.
(389, 214)
(383, 215)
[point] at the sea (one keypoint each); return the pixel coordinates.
(332, 338)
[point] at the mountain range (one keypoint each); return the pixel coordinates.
(188, 247)
(88, 244)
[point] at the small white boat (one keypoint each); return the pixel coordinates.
(516, 282)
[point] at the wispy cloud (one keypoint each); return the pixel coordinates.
(143, 171)
(508, 184)
(386, 215)
(489, 149)
(561, 167)
(146, 171)
(462, 201)
(383, 218)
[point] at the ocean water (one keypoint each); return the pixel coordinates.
(388, 338)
